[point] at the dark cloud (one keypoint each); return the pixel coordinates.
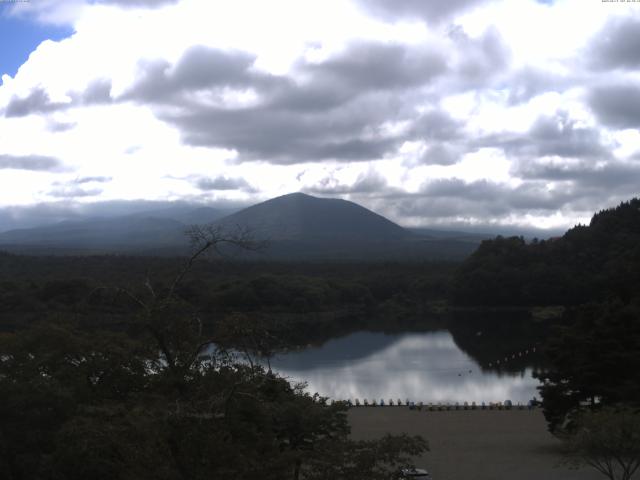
(442, 154)
(31, 162)
(436, 125)
(484, 199)
(37, 101)
(617, 106)
(335, 109)
(198, 69)
(617, 45)
(362, 68)
(284, 137)
(562, 136)
(546, 189)
(443, 135)
(479, 59)
(315, 96)
(223, 183)
(428, 10)
(612, 175)
(368, 182)
(98, 91)
(557, 135)
(377, 66)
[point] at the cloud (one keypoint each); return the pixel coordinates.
(331, 110)
(138, 3)
(429, 90)
(98, 92)
(367, 182)
(97, 179)
(282, 137)
(65, 13)
(486, 199)
(617, 45)
(436, 125)
(529, 82)
(31, 162)
(223, 183)
(51, 12)
(442, 154)
(556, 135)
(617, 175)
(37, 101)
(562, 136)
(56, 126)
(74, 192)
(379, 66)
(429, 11)
(478, 59)
(199, 68)
(617, 106)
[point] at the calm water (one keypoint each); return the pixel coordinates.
(426, 367)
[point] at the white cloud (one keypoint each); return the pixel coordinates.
(504, 64)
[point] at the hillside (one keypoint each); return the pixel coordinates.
(588, 263)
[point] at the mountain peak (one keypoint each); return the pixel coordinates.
(298, 216)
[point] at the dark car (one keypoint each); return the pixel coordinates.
(414, 474)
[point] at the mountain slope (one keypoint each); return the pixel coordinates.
(301, 217)
(100, 233)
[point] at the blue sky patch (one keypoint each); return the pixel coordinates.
(19, 37)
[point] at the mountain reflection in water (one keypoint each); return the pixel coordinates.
(426, 367)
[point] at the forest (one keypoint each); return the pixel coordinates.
(105, 371)
(593, 271)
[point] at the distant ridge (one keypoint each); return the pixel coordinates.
(296, 226)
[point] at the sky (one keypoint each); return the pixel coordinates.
(457, 113)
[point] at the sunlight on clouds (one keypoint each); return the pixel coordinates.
(480, 102)
(23, 188)
(539, 34)
(483, 164)
(628, 142)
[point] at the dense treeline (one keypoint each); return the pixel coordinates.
(595, 354)
(594, 271)
(588, 263)
(160, 397)
(299, 300)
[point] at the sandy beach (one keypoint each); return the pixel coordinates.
(476, 445)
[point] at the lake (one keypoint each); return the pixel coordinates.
(422, 366)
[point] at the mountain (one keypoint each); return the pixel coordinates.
(300, 226)
(296, 226)
(186, 214)
(99, 234)
(302, 217)
(158, 231)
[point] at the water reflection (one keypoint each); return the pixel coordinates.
(426, 367)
